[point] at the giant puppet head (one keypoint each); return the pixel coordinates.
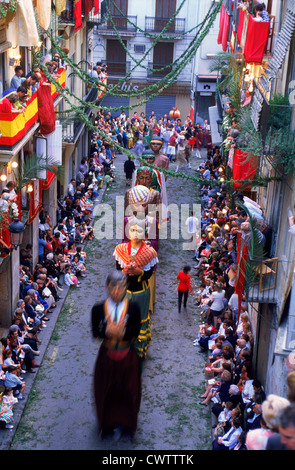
(156, 143)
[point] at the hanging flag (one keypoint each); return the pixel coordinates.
(35, 201)
(225, 31)
(78, 15)
(45, 110)
(26, 27)
(241, 25)
(44, 13)
(60, 6)
(242, 256)
(244, 168)
(96, 7)
(88, 5)
(221, 20)
(232, 41)
(257, 37)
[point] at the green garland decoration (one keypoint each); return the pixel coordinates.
(166, 67)
(151, 35)
(167, 80)
(78, 110)
(188, 54)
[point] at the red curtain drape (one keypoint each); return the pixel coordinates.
(257, 36)
(244, 168)
(78, 15)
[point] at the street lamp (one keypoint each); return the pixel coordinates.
(16, 230)
(219, 126)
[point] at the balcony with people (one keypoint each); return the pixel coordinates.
(19, 106)
(246, 30)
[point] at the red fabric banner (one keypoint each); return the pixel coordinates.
(4, 232)
(45, 184)
(244, 168)
(257, 36)
(221, 20)
(241, 25)
(242, 255)
(88, 5)
(35, 201)
(45, 110)
(96, 7)
(78, 15)
(225, 31)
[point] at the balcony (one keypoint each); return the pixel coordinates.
(157, 72)
(16, 127)
(118, 68)
(263, 285)
(126, 26)
(72, 126)
(156, 25)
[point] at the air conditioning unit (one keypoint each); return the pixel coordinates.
(139, 48)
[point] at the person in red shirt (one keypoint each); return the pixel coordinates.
(184, 286)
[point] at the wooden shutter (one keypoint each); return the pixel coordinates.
(164, 11)
(163, 55)
(116, 56)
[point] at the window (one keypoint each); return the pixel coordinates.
(163, 55)
(120, 22)
(116, 56)
(165, 8)
(164, 11)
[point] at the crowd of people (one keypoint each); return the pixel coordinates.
(244, 417)
(61, 265)
(24, 86)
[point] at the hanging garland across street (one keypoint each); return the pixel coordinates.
(168, 79)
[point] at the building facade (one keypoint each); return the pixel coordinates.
(268, 75)
(132, 45)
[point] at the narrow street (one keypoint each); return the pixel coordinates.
(60, 412)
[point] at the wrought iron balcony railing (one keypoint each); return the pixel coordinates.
(157, 72)
(156, 25)
(121, 23)
(71, 125)
(117, 67)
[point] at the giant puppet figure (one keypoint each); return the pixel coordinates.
(158, 182)
(143, 206)
(117, 381)
(137, 260)
(156, 144)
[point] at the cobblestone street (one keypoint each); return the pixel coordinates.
(60, 411)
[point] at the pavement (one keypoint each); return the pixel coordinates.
(7, 435)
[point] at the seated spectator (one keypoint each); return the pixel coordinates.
(230, 439)
(70, 278)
